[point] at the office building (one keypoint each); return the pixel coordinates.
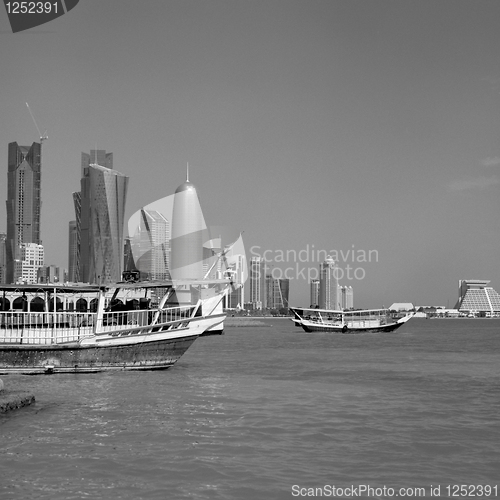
(314, 293)
(276, 292)
(3, 259)
(257, 282)
(346, 297)
(100, 212)
(153, 242)
(329, 286)
(235, 299)
(23, 203)
(51, 274)
(72, 252)
(31, 259)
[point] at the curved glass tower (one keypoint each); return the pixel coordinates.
(100, 212)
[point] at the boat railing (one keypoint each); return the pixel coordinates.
(140, 319)
(44, 327)
(17, 327)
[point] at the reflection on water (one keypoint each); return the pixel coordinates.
(252, 413)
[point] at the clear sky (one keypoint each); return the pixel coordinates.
(340, 125)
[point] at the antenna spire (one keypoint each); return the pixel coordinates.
(187, 172)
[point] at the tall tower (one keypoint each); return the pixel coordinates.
(277, 291)
(314, 293)
(154, 245)
(100, 213)
(72, 252)
(328, 285)
(188, 226)
(257, 283)
(3, 238)
(23, 202)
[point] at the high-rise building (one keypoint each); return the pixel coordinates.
(276, 292)
(154, 245)
(188, 225)
(328, 289)
(31, 259)
(23, 203)
(100, 212)
(51, 274)
(3, 259)
(314, 293)
(72, 252)
(236, 297)
(257, 281)
(346, 297)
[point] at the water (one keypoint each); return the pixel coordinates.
(264, 411)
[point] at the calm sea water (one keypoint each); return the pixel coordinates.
(265, 412)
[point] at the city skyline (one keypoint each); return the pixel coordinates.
(343, 125)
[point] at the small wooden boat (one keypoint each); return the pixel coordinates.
(91, 328)
(361, 321)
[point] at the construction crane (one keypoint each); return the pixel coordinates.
(42, 137)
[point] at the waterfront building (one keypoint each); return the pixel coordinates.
(329, 286)
(257, 283)
(72, 252)
(3, 259)
(475, 297)
(31, 259)
(314, 293)
(100, 212)
(23, 202)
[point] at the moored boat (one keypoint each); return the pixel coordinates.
(336, 321)
(91, 328)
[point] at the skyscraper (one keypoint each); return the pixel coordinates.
(257, 282)
(100, 212)
(154, 245)
(72, 252)
(276, 292)
(3, 260)
(236, 297)
(23, 202)
(347, 297)
(30, 260)
(328, 285)
(314, 293)
(188, 227)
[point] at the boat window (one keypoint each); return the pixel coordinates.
(4, 304)
(81, 305)
(37, 305)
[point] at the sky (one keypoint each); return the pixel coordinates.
(364, 129)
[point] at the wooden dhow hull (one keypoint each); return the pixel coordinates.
(314, 327)
(119, 350)
(346, 322)
(25, 359)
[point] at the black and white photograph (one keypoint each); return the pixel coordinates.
(249, 249)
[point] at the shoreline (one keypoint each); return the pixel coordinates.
(13, 399)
